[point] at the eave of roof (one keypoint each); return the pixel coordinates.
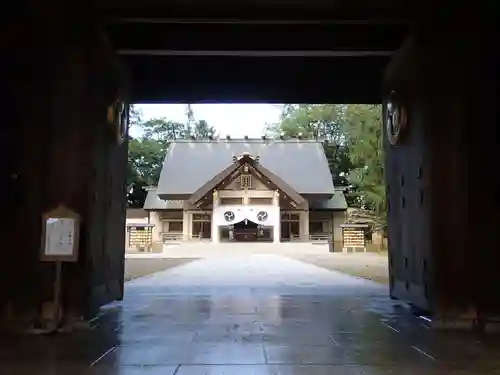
(337, 202)
(153, 202)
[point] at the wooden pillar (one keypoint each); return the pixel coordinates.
(155, 219)
(304, 225)
(277, 225)
(442, 245)
(186, 225)
(215, 229)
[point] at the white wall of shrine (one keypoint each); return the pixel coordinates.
(265, 215)
(246, 210)
(194, 223)
(304, 225)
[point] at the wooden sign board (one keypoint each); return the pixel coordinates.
(60, 235)
(353, 237)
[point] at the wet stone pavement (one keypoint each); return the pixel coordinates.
(254, 314)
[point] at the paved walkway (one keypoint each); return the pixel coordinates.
(254, 314)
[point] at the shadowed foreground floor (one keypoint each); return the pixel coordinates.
(254, 314)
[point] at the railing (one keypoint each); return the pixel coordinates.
(169, 237)
(143, 248)
(319, 237)
(293, 238)
(197, 237)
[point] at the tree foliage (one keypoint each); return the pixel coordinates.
(147, 152)
(364, 132)
(354, 148)
(317, 121)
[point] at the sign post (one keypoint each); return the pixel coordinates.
(60, 238)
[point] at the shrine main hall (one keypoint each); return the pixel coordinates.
(245, 190)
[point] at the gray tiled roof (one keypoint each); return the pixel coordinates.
(136, 213)
(190, 164)
(153, 202)
(337, 202)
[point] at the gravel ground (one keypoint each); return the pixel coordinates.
(371, 266)
(135, 268)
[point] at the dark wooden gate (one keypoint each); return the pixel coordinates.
(434, 219)
(108, 198)
(408, 179)
(106, 250)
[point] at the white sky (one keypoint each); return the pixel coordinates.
(236, 120)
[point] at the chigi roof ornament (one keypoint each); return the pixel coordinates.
(245, 155)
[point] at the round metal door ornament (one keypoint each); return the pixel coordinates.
(118, 119)
(262, 216)
(123, 122)
(396, 118)
(229, 216)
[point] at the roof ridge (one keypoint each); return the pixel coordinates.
(249, 140)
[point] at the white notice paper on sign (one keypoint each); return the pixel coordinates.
(59, 236)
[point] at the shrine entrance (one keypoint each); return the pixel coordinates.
(245, 230)
(66, 137)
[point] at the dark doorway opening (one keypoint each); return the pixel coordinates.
(245, 230)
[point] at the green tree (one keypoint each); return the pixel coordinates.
(134, 115)
(198, 129)
(190, 114)
(314, 121)
(354, 150)
(318, 121)
(164, 130)
(143, 163)
(364, 132)
(201, 130)
(135, 183)
(147, 152)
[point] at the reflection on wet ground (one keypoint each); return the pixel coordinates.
(257, 314)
